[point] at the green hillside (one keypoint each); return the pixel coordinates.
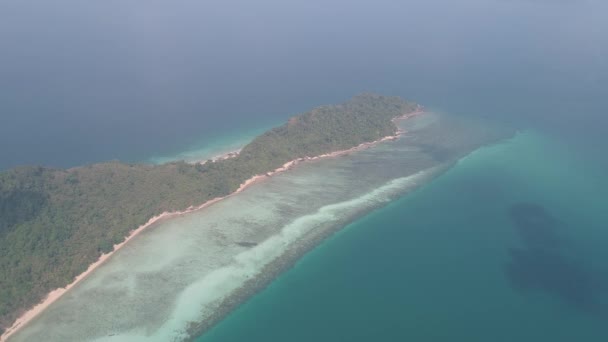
(55, 222)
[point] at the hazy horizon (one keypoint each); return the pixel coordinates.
(483, 220)
(129, 80)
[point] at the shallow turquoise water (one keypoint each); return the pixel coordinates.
(208, 148)
(470, 257)
(143, 80)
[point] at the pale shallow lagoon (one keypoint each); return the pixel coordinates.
(185, 273)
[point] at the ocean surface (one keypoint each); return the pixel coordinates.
(182, 275)
(507, 244)
(147, 80)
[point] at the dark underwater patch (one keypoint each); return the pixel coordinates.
(542, 263)
(534, 225)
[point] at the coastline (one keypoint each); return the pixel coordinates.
(288, 258)
(58, 293)
(219, 157)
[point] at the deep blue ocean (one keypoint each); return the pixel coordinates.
(149, 81)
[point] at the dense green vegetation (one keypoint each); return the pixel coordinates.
(54, 223)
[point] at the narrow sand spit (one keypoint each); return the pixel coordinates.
(223, 156)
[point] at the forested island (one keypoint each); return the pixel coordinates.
(55, 222)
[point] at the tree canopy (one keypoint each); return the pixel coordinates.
(54, 223)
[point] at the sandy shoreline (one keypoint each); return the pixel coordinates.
(277, 266)
(57, 293)
(223, 156)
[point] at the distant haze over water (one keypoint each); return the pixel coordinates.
(82, 82)
(507, 245)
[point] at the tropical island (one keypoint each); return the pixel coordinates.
(55, 223)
